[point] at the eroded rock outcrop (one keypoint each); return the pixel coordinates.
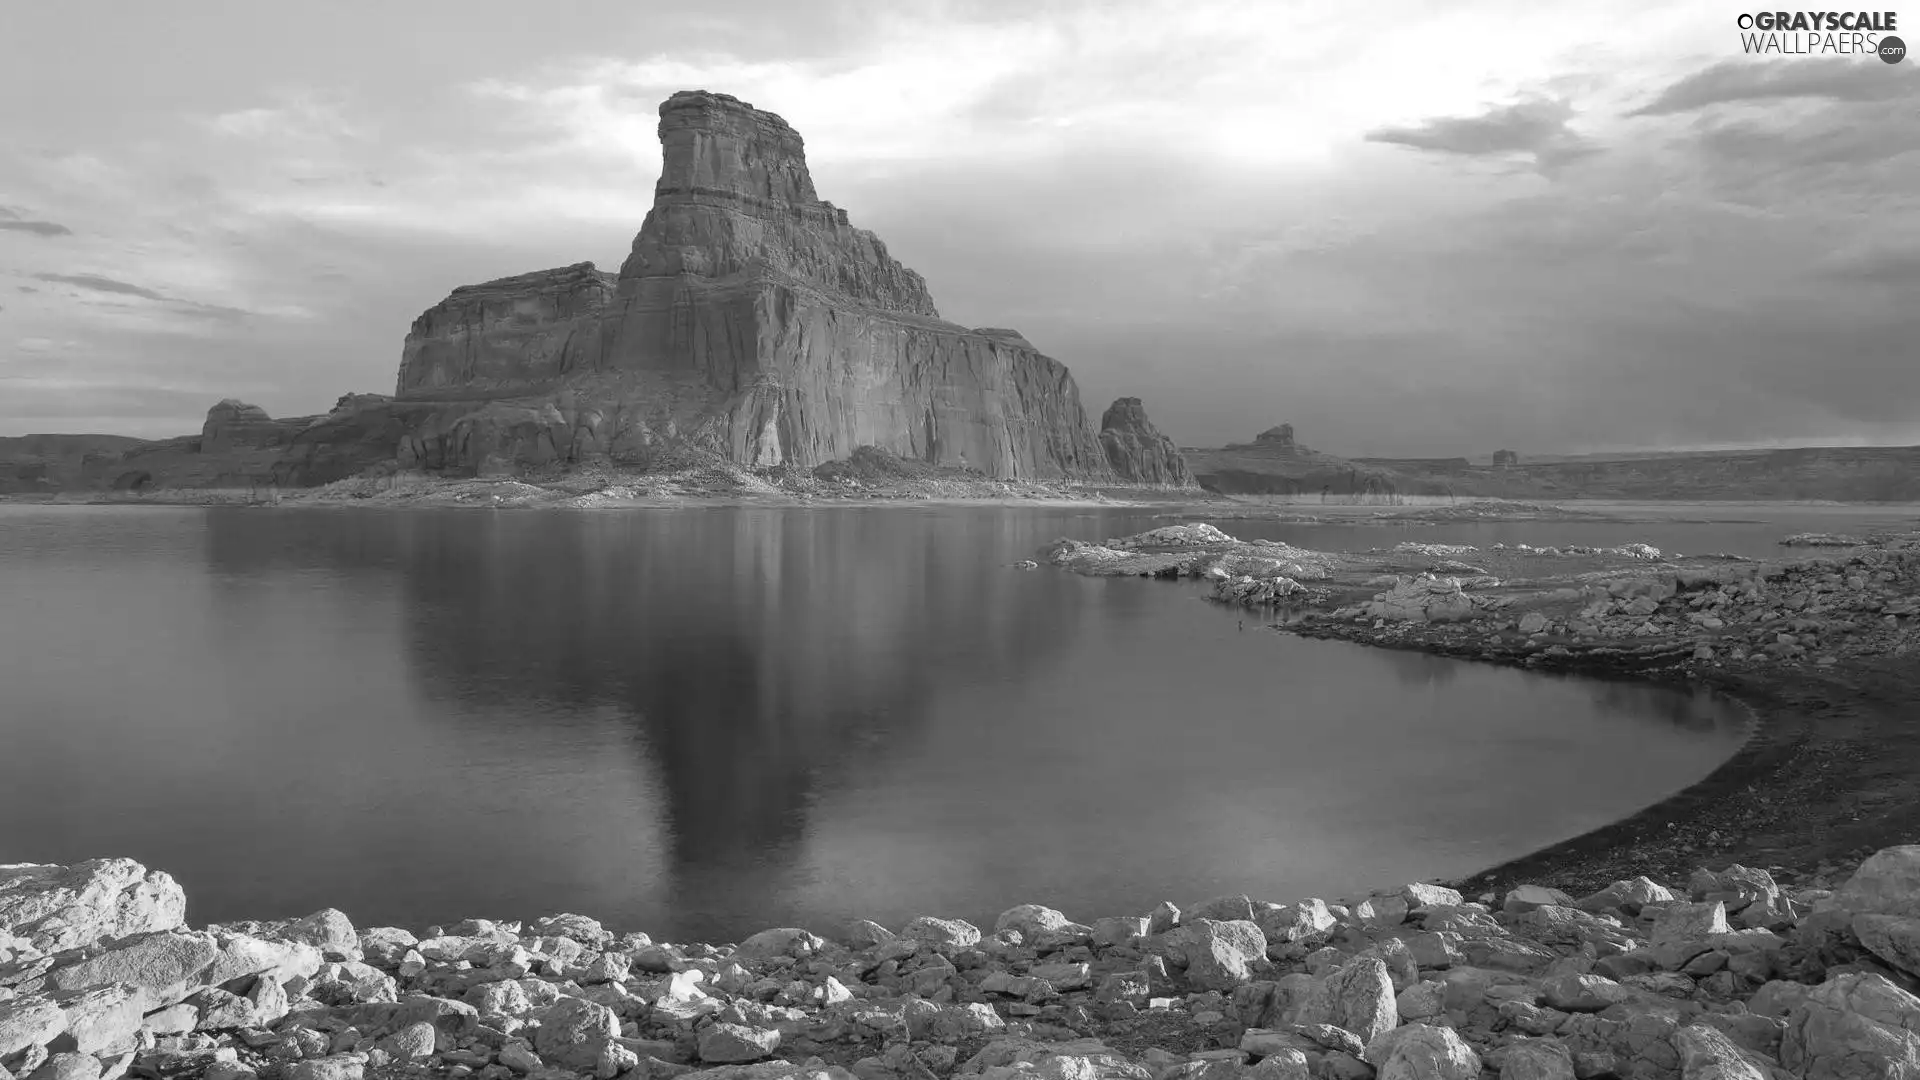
(235, 425)
(1135, 449)
(752, 317)
(508, 336)
(359, 434)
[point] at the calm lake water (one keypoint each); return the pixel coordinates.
(701, 723)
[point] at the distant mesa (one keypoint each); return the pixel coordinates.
(1278, 435)
(1274, 463)
(1137, 452)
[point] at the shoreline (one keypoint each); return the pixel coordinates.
(1703, 823)
(1830, 770)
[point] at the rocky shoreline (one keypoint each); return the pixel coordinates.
(1820, 650)
(1729, 974)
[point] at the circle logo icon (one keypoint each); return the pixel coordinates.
(1892, 49)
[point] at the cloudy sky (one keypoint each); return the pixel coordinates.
(1406, 227)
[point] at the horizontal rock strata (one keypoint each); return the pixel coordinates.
(516, 334)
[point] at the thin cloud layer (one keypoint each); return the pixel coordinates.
(1535, 128)
(1437, 241)
(12, 220)
(96, 283)
(1743, 80)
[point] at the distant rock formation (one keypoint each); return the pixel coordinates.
(1420, 466)
(750, 317)
(1135, 449)
(1505, 459)
(235, 425)
(1275, 464)
(240, 446)
(1280, 435)
(37, 464)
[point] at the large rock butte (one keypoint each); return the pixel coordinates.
(751, 317)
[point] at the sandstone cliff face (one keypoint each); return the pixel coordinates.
(514, 335)
(359, 434)
(735, 197)
(1135, 449)
(751, 317)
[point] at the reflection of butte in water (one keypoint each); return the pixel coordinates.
(752, 686)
